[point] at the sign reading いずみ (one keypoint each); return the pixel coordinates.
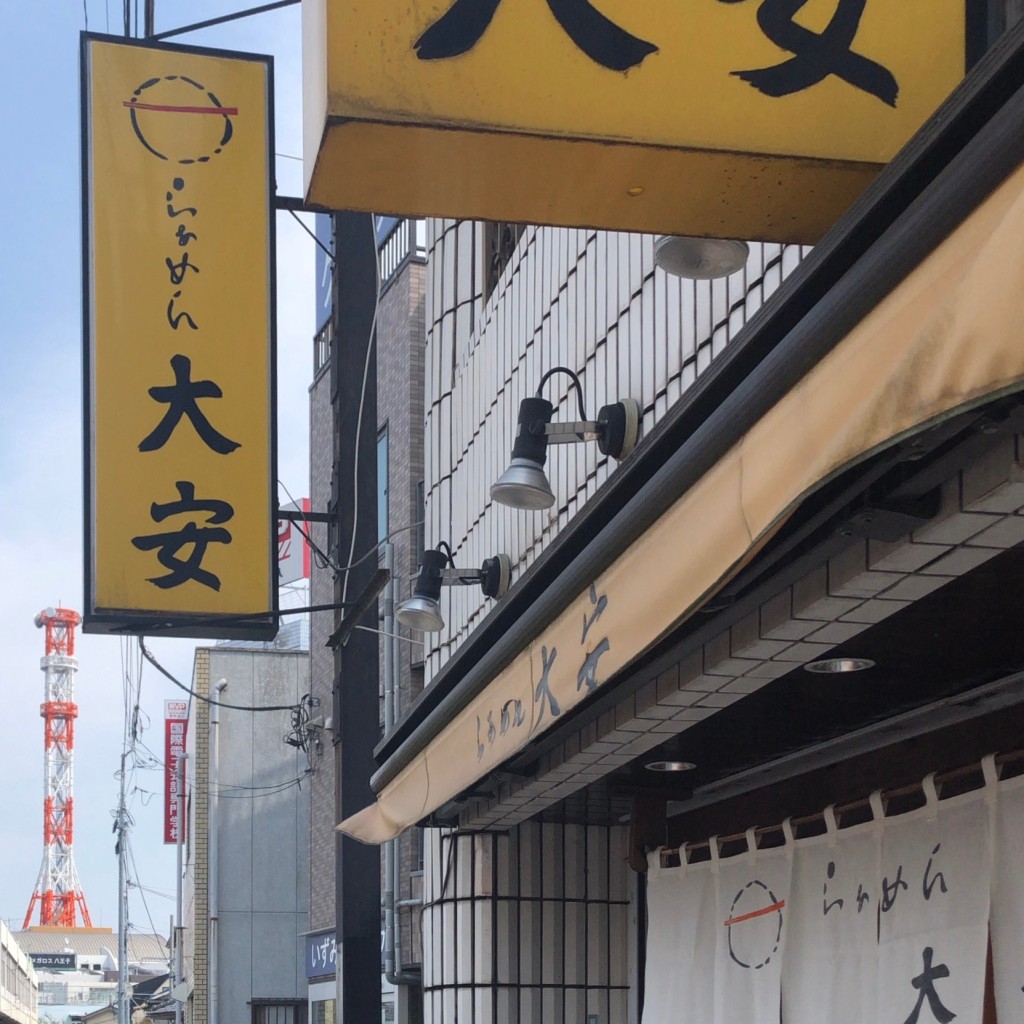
(179, 341)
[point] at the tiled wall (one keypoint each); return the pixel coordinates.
(591, 301)
(322, 837)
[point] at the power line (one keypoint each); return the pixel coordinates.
(198, 696)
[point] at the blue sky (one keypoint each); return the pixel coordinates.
(41, 437)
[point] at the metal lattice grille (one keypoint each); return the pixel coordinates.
(533, 925)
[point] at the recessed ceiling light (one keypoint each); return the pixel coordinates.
(670, 766)
(835, 666)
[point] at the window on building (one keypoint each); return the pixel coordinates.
(324, 1011)
(500, 241)
(284, 1011)
(382, 485)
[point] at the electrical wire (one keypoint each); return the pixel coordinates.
(267, 790)
(135, 868)
(155, 892)
(198, 696)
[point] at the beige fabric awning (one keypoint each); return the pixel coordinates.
(948, 337)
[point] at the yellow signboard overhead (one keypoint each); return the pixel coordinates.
(179, 341)
(731, 118)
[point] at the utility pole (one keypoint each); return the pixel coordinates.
(121, 830)
(356, 709)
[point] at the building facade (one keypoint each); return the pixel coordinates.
(538, 920)
(247, 868)
(398, 502)
(19, 986)
(76, 968)
(774, 626)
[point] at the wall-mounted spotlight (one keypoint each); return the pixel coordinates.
(524, 484)
(423, 610)
(700, 259)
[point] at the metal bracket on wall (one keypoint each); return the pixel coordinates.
(361, 606)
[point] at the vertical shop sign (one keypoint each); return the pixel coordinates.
(175, 724)
(179, 340)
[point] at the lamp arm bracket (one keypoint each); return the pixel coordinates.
(452, 577)
(572, 432)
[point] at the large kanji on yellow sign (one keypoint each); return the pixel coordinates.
(736, 118)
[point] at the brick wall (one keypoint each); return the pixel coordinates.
(322, 837)
(401, 346)
(198, 794)
(401, 342)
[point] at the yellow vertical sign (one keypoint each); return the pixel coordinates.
(179, 340)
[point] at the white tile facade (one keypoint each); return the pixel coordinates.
(981, 514)
(538, 923)
(591, 301)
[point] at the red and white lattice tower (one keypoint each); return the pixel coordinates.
(58, 890)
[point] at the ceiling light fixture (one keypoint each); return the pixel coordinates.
(524, 484)
(423, 610)
(670, 766)
(700, 259)
(837, 666)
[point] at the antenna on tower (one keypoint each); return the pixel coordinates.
(58, 891)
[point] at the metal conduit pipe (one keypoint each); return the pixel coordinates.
(392, 959)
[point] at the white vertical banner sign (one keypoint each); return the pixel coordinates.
(681, 918)
(1008, 905)
(832, 930)
(752, 893)
(934, 911)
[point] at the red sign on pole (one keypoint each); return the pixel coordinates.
(175, 723)
(293, 561)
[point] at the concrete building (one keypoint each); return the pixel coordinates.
(76, 968)
(246, 871)
(19, 986)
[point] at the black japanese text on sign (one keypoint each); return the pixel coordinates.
(775, 113)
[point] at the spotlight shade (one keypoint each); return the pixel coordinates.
(422, 613)
(523, 485)
(423, 610)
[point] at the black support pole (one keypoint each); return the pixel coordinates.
(356, 708)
